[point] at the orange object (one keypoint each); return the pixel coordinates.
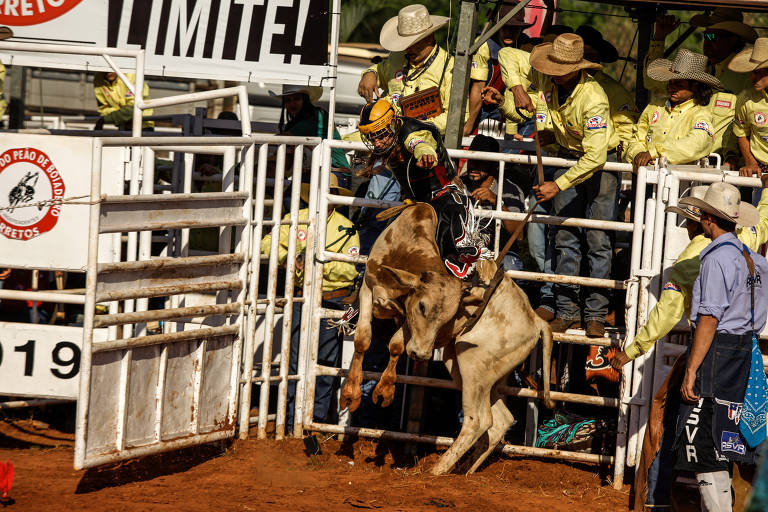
(6, 478)
(598, 364)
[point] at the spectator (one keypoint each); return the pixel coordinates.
(338, 283)
(300, 117)
(416, 63)
(680, 131)
(481, 182)
(116, 101)
(751, 108)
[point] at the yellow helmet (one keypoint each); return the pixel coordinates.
(378, 121)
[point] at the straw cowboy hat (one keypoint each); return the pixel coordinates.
(333, 185)
(313, 91)
(594, 39)
(562, 56)
(744, 31)
(750, 59)
(5, 33)
(686, 66)
(413, 23)
(690, 212)
(518, 20)
(718, 15)
(724, 200)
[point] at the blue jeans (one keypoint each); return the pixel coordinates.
(541, 243)
(328, 354)
(596, 199)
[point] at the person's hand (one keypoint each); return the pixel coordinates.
(686, 389)
(665, 25)
(641, 160)
(619, 360)
(546, 190)
(368, 86)
(484, 194)
(426, 161)
(522, 100)
(750, 169)
(492, 96)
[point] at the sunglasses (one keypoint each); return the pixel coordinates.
(712, 36)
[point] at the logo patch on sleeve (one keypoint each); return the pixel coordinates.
(595, 123)
(702, 125)
(413, 143)
(474, 65)
(353, 251)
(541, 117)
(655, 117)
(672, 286)
(723, 103)
(399, 76)
(759, 118)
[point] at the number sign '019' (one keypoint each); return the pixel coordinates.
(40, 360)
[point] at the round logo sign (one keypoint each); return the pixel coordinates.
(25, 13)
(759, 118)
(655, 117)
(27, 178)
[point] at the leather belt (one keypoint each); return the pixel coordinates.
(332, 294)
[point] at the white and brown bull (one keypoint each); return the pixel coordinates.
(405, 280)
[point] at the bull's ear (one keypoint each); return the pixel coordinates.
(402, 278)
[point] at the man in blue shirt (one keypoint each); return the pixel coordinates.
(729, 304)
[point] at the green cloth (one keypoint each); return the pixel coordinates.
(316, 125)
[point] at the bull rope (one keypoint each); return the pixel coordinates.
(55, 201)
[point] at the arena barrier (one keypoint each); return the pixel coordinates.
(631, 285)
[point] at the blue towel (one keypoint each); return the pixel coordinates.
(753, 419)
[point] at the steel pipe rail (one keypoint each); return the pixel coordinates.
(46, 296)
(164, 142)
(41, 402)
(165, 314)
(160, 339)
(555, 278)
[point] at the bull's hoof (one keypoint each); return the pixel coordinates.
(350, 398)
(385, 393)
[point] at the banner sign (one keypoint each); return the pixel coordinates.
(37, 173)
(283, 41)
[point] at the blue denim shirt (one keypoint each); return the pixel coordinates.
(721, 289)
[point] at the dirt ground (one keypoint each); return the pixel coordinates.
(278, 475)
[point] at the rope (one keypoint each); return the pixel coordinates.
(52, 202)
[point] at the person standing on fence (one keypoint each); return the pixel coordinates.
(680, 131)
(657, 460)
(579, 112)
(338, 283)
(725, 395)
(116, 101)
(417, 63)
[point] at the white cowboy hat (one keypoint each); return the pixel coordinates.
(689, 212)
(686, 66)
(744, 31)
(750, 59)
(724, 200)
(562, 56)
(413, 23)
(313, 91)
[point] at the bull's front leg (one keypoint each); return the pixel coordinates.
(351, 393)
(385, 388)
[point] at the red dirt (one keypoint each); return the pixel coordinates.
(277, 475)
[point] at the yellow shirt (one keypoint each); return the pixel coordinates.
(480, 60)
(722, 107)
(675, 299)
(752, 122)
(682, 133)
(393, 81)
(580, 123)
(624, 113)
(116, 100)
(516, 70)
(420, 143)
(336, 274)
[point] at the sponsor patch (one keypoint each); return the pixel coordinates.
(655, 117)
(702, 125)
(764, 138)
(353, 251)
(394, 99)
(759, 118)
(672, 286)
(723, 103)
(732, 442)
(541, 118)
(413, 143)
(595, 123)
(301, 235)
(474, 65)
(399, 76)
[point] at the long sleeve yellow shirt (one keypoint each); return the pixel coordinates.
(624, 113)
(116, 100)
(675, 299)
(752, 122)
(338, 238)
(395, 84)
(682, 133)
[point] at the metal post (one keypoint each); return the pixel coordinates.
(646, 19)
(461, 66)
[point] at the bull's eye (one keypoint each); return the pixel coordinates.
(422, 309)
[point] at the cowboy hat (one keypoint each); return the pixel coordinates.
(750, 59)
(724, 200)
(718, 15)
(313, 91)
(518, 20)
(333, 185)
(5, 33)
(562, 56)
(413, 23)
(686, 66)
(690, 212)
(594, 39)
(745, 32)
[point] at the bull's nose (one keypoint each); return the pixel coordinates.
(419, 356)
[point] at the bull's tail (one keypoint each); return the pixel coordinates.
(546, 363)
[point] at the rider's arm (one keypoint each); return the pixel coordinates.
(420, 143)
